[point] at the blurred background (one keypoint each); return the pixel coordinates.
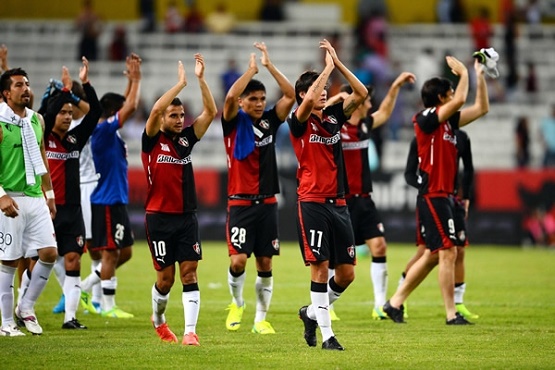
(513, 146)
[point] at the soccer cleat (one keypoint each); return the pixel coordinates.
(395, 314)
(86, 302)
(61, 306)
(73, 324)
(233, 321)
(11, 330)
(28, 319)
(378, 314)
(458, 320)
(332, 344)
(461, 308)
(263, 327)
(333, 316)
(190, 339)
(117, 313)
(309, 327)
(164, 333)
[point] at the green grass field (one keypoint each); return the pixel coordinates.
(512, 289)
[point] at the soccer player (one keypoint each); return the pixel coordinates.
(461, 203)
(171, 205)
(252, 213)
(26, 217)
(434, 129)
(63, 149)
(325, 233)
(111, 227)
(367, 224)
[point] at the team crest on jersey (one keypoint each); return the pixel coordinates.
(332, 120)
(80, 241)
(351, 251)
(183, 141)
(196, 248)
(264, 124)
(164, 147)
(72, 139)
(275, 244)
(314, 127)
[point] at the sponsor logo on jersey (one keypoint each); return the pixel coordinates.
(52, 144)
(163, 158)
(324, 140)
(62, 156)
(164, 147)
(266, 141)
(353, 145)
(450, 138)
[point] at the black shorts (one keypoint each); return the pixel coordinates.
(111, 227)
(70, 229)
(365, 218)
(172, 238)
(436, 216)
(460, 223)
(252, 229)
(325, 233)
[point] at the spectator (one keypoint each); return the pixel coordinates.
(230, 75)
(89, 25)
(481, 29)
(522, 136)
(374, 34)
(148, 15)
(531, 82)
(510, 36)
(173, 21)
(533, 16)
(194, 20)
(118, 45)
(548, 137)
(272, 11)
(220, 20)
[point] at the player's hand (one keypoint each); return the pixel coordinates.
(8, 206)
(457, 67)
(181, 75)
(199, 65)
(66, 78)
(51, 203)
(252, 63)
(84, 71)
(404, 78)
(265, 58)
(325, 44)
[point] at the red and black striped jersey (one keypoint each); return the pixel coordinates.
(437, 150)
(169, 172)
(317, 145)
(355, 140)
(257, 173)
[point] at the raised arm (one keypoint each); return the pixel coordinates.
(386, 107)
(314, 93)
(359, 90)
(285, 103)
(231, 103)
(461, 92)
(155, 118)
(481, 103)
(203, 121)
(132, 97)
(3, 58)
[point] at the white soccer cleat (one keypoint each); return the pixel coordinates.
(29, 319)
(11, 330)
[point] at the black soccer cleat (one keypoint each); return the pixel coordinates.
(73, 324)
(309, 327)
(458, 320)
(395, 314)
(332, 344)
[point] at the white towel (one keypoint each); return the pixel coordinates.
(34, 164)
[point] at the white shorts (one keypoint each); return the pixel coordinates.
(30, 231)
(86, 191)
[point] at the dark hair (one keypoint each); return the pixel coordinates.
(6, 79)
(433, 89)
(253, 85)
(176, 101)
(349, 90)
(111, 103)
(306, 79)
(77, 90)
